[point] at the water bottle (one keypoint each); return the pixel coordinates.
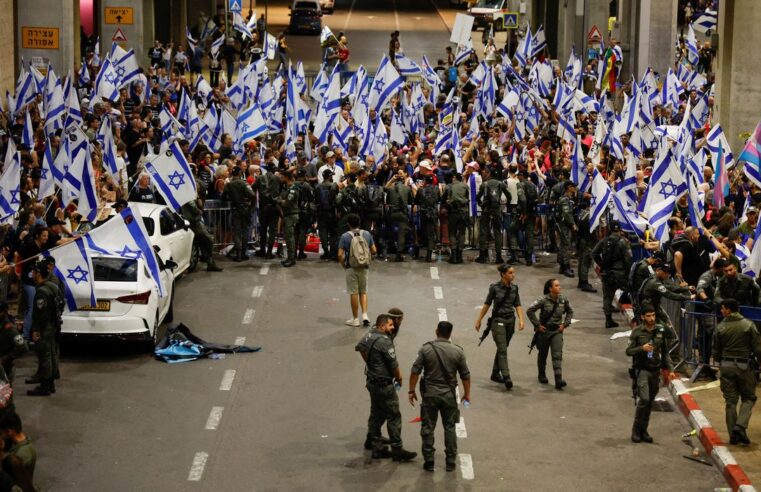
(466, 404)
(650, 354)
(397, 386)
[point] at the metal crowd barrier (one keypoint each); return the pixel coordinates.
(218, 219)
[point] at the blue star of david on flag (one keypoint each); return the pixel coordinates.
(130, 253)
(382, 138)
(120, 71)
(44, 173)
(110, 78)
(244, 128)
(363, 98)
(14, 196)
(379, 83)
(593, 201)
(668, 188)
(78, 274)
(176, 180)
(299, 79)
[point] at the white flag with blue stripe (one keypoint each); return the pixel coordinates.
(47, 182)
(108, 147)
(10, 183)
(173, 178)
(706, 21)
(715, 140)
(598, 204)
(386, 84)
(407, 67)
(693, 56)
(251, 124)
(538, 43)
(74, 269)
(666, 186)
(107, 82)
(125, 64)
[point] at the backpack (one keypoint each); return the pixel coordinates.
(359, 251)
(326, 202)
(306, 196)
(492, 197)
(374, 196)
(430, 199)
(456, 201)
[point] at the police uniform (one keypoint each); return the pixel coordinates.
(427, 200)
(646, 371)
(456, 201)
(240, 196)
(564, 224)
(12, 346)
(552, 314)
(289, 204)
(384, 400)
(614, 255)
(306, 215)
(585, 241)
(638, 275)
(742, 288)
(46, 321)
(526, 216)
(734, 341)
(504, 299)
(651, 293)
(399, 200)
(491, 218)
(438, 393)
(193, 214)
(706, 286)
(327, 220)
(268, 187)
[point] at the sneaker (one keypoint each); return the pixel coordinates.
(352, 322)
(365, 320)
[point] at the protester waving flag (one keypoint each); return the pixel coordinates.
(666, 186)
(173, 178)
(463, 53)
(74, 269)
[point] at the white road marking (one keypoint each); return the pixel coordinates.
(348, 16)
(434, 273)
(418, 18)
(459, 428)
(442, 314)
(196, 469)
(248, 316)
(240, 341)
(371, 17)
(257, 292)
(438, 292)
(227, 380)
(457, 394)
(466, 467)
(214, 417)
(264, 270)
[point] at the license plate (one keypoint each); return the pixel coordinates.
(99, 306)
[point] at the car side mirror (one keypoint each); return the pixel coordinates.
(170, 264)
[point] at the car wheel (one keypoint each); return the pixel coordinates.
(170, 313)
(195, 256)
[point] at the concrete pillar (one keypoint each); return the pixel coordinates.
(570, 29)
(179, 9)
(738, 93)
(135, 23)
(48, 29)
(595, 14)
(7, 61)
(657, 31)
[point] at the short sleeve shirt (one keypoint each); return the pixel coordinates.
(345, 242)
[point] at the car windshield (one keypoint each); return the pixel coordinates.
(306, 5)
(489, 4)
(115, 269)
(87, 226)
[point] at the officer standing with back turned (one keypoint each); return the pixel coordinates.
(45, 325)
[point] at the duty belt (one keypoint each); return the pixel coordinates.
(735, 359)
(379, 381)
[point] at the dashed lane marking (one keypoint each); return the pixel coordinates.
(214, 417)
(248, 316)
(240, 340)
(257, 292)
(438, 292)
(442, 314)
(264, 270)
(460, 430)
(227, 380)
(466, 467)
(196, 469)
(434, 273)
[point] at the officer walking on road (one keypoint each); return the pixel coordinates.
(45, 326)
(614, 257)
(289, 206)
(507, 301)
(382, 371)
(735, 341)
(440, 361)
(649, 350)
(241, 197)
(555, 314)
(194, 216)
(566, 225)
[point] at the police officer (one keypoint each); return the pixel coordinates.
(289, 206)
(659, 286)
(455, 200)
(327, 220)
(382, 371)
(12, 343)
(45, 326)
(267, 187)
(241, 197)
(613, 255)
(194, 216)
(526, 213)
(489, 196)
(737, 286)
(439, 361)
(566, 225)
(555, 315)
(735, 340)
(306, 211)
(507, 301)
(400, 197)
(649, 350)
(371, 211)
(427, 201)
(640, 272)
(348, 201)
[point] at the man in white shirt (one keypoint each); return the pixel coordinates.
(330, 163)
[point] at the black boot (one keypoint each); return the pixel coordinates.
(452, 257)
(568, 272)
(428, 256)
(559, 382)
(587, 287)
(513, 259)
(381, 453)
(398, 258)
(636, 437)
(459, 256)
(543, 377)
(645, 436)
(508, 383)
(43, 389)
(499, 260)
(609, 323)
(483, 256)
(561, 269)
(51, 385)
(399, 454)
(497, 377)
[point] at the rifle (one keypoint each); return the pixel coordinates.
(496, 308)
(542, 322)
(634, 374)
(535, 340)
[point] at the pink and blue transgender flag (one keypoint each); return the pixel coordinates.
(752, 151)
(721, 188)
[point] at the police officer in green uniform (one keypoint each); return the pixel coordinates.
(737, 286)
(526, 213)
(306, 212)
(566, 225)
(489, 196)
(427, 201)
(289, 205)
(327, 220)
(504, 296)
(382, 371)
(735, 341)
(439, 361)
(649, 350)
(12, 343)
(640, 272)
(455, 200)
(194, 216)
(614, 256)
(241, 197)
(267, 187)
(399, 200)
(45, 325)
(348, 201)
(555, 315)
(659, 286)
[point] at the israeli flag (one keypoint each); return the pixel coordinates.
(192, 42)
(398, 135)
(47, 182)
(706, 21)
(216, 45)
(507, 107)
(84, 74)
(55, 106)
(26, 91)
(173, 178)
(27, 134)
(598, 204)
(325, 35)
(10, 184)
(240, 25)
(628, 218)
(386, 84)
(73, 162)
(270, 46)
(107, 82)
(378, 148)
(666, 186)
(87, 203)
(523, 53)
(328, 108)
(203, 89)
(692, 46)
(671, 90)
(250, 125)
(125, 235)
(716, 139)
(407, 67)
(463, 53)
(125, 64)
(74, 269)
(699, 114)
(538, 42)
(108, 146)
(565, 128)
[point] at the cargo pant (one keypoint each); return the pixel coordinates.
(550, 341)
(384, 408)
(738, 383)
(502, 331)
(289, 231)
(611, 282)
(490, 220)
(647, 389)
(432, 406)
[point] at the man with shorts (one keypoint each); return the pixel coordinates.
(356, 277)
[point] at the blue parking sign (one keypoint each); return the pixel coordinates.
(234, 6)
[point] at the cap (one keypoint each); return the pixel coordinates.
(330, 154)
(327, 172)
(569, 184)
(41, 267)
(474, 165)
(121, 202)
(752, 210)
(425, 165)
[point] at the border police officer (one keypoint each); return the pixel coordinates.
(555, 315)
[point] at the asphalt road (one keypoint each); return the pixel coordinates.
(293, 416)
